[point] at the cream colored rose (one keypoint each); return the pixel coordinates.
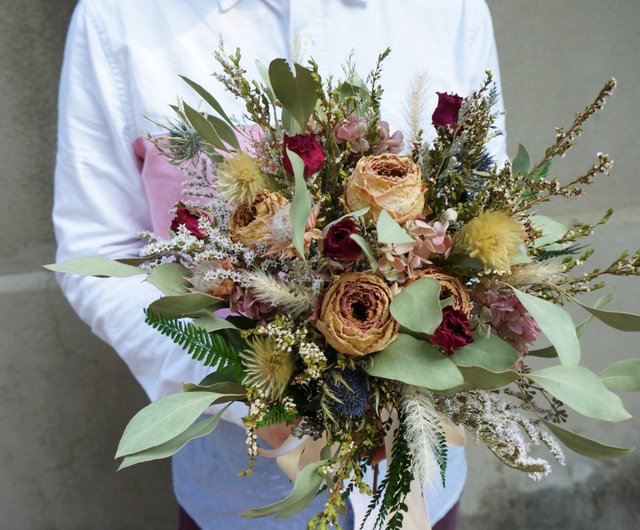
(355, 316)
(249, 224)
(386, 182)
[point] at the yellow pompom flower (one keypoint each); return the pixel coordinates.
(267, 367)
(494, 238)
(239, 179)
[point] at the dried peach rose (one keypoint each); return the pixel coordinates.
(355, 315)
(386, 182)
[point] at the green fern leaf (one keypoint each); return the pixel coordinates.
(213, 349)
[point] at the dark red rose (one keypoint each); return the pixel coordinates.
(453, 332)
(446, 113)
(189, 217)
(307, 147)
(338, 243)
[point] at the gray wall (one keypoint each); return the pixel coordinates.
(65, 397)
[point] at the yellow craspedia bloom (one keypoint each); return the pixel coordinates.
(267, 367)
(239, 179)
(494, 238)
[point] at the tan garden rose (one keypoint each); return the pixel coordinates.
(355, 315)
(386, 182)
(249, 224)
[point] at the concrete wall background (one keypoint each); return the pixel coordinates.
(65, 397)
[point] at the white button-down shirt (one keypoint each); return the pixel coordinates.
(121, 65)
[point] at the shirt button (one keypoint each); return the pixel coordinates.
(305, 42)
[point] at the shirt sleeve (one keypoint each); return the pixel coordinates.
(483, 56)
(100, 206)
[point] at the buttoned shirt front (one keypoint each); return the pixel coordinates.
(121, 67)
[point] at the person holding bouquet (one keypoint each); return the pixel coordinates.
(121, 71)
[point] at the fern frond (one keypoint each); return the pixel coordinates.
(277, 414)
(270, 290)
(395, 487)
(212, 349)
(423, 434)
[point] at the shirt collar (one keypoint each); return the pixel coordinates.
(225, 5)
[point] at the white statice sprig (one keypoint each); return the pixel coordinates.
(498, 421)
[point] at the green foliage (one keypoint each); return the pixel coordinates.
(277, 414)
(441, 452)
(415, 362)
(582, 390)
(213, 349)
(95, 266)
(417, 306)
(395, 487)
(301, 204)
(305, 488)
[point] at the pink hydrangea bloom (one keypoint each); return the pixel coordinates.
(389, 143)
(245, 303)
(403, 261)
(353, 131)
(508, 317)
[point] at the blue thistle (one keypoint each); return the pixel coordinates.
(484, 163)
(351, 392)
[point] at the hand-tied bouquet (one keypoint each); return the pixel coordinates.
(371, 297)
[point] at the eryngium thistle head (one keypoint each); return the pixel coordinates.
(484, 162)
(181, 143)
(349, 393)
(267, 367)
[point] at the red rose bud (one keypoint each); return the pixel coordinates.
(189, 217)
(338, 244)
(307, 147)
(446, 113)
(453, 332)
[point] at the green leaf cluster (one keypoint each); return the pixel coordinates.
(213, 349)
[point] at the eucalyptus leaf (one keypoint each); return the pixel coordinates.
(623, 375)
(264, 74)
(181, 305)
(170, 278)
(163, 420)
(490, 353)
(615, 319)
(477, 378)
(417, 306)
(95, 266)
(206, 320)
(227, 388)
(167, 449)
(522, 162)
(390, 232)
(551, 230)
(586, 446)
(304, 490)
(550, 351)
(224, 131)
(366, 248)
(357, 213)
(298, 94)
(582, 390)
(204, 127)
(415, 362)
(204, 94)
(301, 204)
(556, 324)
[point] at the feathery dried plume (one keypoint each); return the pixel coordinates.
(416, 108)
(423, 434)
(536, 273)
(269, 289)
